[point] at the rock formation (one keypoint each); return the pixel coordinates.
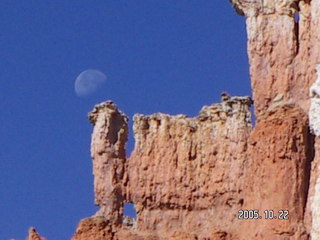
(178, 175)
(313, 207)
(282, 48)
(190, 178)
(109, 137)
(284, 51)
(33, 235)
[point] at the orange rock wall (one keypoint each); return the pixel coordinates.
(187, 174)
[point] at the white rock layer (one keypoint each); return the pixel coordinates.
(314, 112)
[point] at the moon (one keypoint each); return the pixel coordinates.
(88, 82)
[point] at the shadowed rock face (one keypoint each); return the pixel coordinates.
(277, 178)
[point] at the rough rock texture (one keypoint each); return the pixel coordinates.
(284, 52)
(33, 235)
(283, 37)
(314, 112)
(313, 207)
(312, 217)
(277, 177)
(178, 175)
(109, 137)
(189, 177)
(97, 228)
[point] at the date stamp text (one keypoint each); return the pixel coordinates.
(265, 214)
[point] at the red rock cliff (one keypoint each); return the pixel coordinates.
(185, 175)
(284, 52)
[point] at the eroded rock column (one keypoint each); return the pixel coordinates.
(272, 47)
(109, 137)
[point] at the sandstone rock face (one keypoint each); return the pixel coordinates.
(97, 228)
(313, 208)
(109, 137)
(282, 48)
(284, 51)
(189, 177)
(187, 174)
(278, 172)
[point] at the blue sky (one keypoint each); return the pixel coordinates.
(159, 56)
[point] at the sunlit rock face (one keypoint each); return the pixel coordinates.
(314, 118)
(110, 134)
(284, 51)
(314, 112)
(189, 177)
(184, 173)
(282, 48)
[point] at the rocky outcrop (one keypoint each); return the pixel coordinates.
(313, 207)
(33, 235)
(97, 228)
(191, 178)
(184, 173)
(282, 48)
(314, 112)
